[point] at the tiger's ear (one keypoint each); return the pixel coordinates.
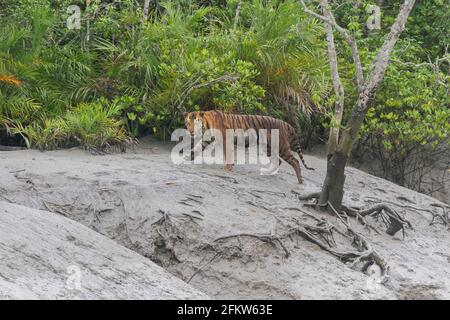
(201, 113)
(185, 114)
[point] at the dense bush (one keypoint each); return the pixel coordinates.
(185, 57)
(407, 129)
(91, 125)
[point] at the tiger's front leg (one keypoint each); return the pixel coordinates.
(227, 153)
(195, 150)
(200, 146)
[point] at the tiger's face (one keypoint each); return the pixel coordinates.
(194, 121)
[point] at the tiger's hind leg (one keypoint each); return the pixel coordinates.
(287, 156)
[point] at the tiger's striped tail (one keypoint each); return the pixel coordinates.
(297, 148)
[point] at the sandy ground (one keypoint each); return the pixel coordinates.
(46, 256)
(178, 215)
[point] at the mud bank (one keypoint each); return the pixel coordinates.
(229, 235)
(46, 256)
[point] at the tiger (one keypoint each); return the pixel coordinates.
(221, 121)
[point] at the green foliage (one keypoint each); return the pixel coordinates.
(409, 120)
(45, 136)
(412, 107)
(91, 125)
(133, 113)
(410, 113)
(202, 79)
(186, 57)
(407, 127)
(57, 89)
(286, 47)
(427, 25)
(418, 113)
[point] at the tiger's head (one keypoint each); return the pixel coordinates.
(194, 121)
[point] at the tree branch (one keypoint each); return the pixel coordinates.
(350, 134)
(350, 39)
(337, 84)
(382, 60)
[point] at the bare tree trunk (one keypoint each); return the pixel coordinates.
(333, 187)
(237, 13)
(146, 9)
(88, 25)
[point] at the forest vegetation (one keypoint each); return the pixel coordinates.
(130, 71)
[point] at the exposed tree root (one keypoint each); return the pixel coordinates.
(437, 218)
(126, 216)
(366, 254)
(307, 197)
(262, 237)
(394, 221)
(440, 205)
(405, 206)
(369, 255)
(441, 218)
(5, 198)
(322, 235)
(203, 267)
(62, 209)
(165, 218)
(389, 216)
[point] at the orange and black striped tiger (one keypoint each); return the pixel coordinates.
(223, 121)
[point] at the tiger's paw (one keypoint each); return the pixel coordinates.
(188, 158)
(272, 169)
(228, 167)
